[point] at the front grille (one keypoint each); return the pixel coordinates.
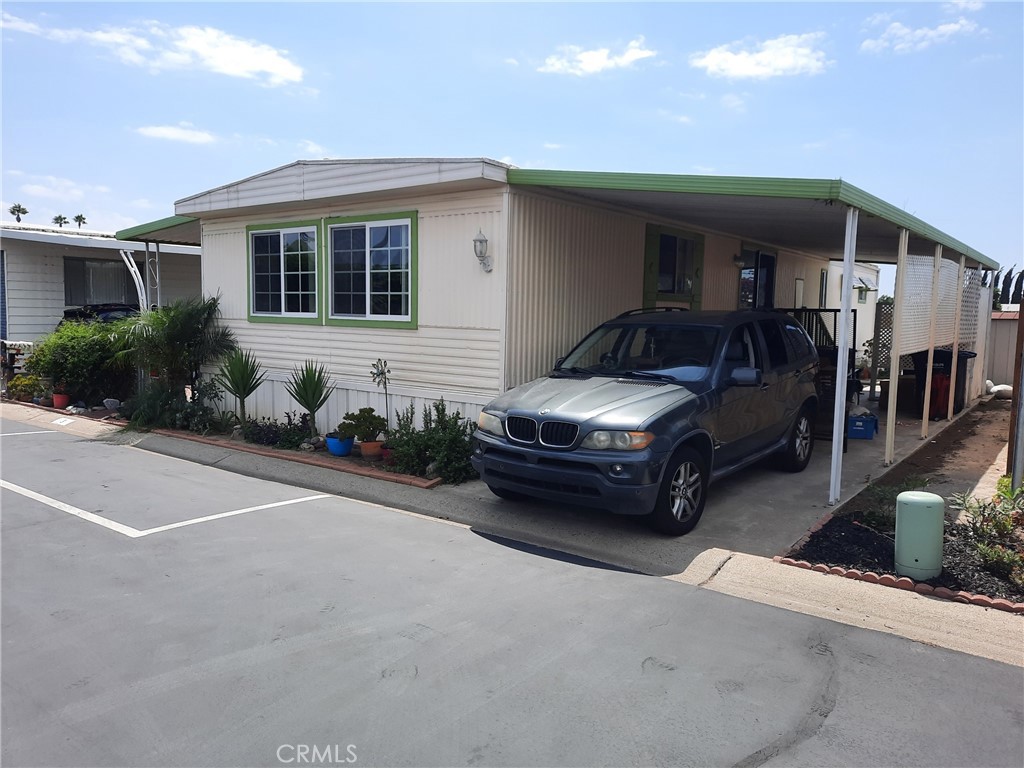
(558, 434)
(640, 382)
(521, 429)
(562, 486)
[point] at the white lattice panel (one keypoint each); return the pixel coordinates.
(949, 295)
(916, 301)
(969, 313)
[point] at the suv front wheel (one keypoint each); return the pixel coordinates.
(801, 442)
(684, 490)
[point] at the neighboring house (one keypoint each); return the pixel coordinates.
(863, 297)
(45, 270)
(347, 261)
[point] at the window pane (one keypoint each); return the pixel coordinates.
(291, 302)
(397, 305)
(307, 283)
(379, 305)
(398, 235)
(378, 237)
(291, 283)
(379, 259)
(342, 304)
(378, 282)
(778, 355)
(308, 262)
(307, 302)
(359, 304)
(399, 259)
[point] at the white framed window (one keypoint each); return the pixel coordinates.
(283, 264)
(370, 268)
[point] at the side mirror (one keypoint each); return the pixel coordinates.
(558, 362)
(746, 377)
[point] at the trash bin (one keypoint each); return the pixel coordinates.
(919, 529)
(942, 363)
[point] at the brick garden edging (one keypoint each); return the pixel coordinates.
(904, 583)
(888, 580)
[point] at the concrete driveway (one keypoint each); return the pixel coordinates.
(160, 612)
(759, 511)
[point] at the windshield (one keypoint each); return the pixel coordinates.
(682, 352)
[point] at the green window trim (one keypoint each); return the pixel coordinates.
(283, 318)
(410, 323)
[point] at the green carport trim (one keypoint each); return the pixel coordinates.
(748, 186)
(141, 230)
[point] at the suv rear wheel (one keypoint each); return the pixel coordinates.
(684, 490)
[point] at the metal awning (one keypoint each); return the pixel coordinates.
(173, 230)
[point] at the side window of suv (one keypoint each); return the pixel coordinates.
(775, 341)
(798, 339)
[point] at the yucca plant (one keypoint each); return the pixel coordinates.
(308, 387)
(240, 375)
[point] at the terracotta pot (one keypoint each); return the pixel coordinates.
(61, 400)
(371, 449)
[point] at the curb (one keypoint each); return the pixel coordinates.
(337, 463)
(906, 584)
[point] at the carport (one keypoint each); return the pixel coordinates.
(940, 296)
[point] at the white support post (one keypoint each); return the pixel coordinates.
(894, 352)
(926, 405)
(956, 339)
(843, 356)
(159, 291)
(133, 270)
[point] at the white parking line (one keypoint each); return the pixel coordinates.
(135, 533)
(40, 432)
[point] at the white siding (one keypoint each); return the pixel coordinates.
(721, 287)
(455, 351)
(35, 289)
(180, 276)
(572, 267)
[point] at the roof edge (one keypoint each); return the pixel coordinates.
(140, 230)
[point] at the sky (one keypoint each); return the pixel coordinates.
(116, 110)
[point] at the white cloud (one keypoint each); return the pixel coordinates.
(311, 148)
(683, 119)
(783, 56)
(573, 60)
(184, 132)
(963, 6)
(59, 189)
(734, 103)
(550, 145)
(507, 160)
(512, 62)
(902, 39)
(141, 202)
(160, 47)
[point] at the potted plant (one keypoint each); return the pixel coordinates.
(367, 426)
(339, 442)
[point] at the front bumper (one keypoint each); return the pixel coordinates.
(588, 478)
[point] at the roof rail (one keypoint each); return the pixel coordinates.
(643, 311)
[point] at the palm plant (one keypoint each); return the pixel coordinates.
(60, 220)
(381, 376)
(80, 220)
(17, 211)
(309, 387)
(240, 376)
(177, 340)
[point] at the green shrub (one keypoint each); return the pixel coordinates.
(877, 503)
(79, 359)
(25, 386)
(365, 425)
(997, 527)
(163, 405)
(442, 447)
(1000, 560)
(240, 375)
(267, 431)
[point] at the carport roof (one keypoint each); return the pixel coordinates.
(804, 215)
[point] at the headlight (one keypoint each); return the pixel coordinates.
(488, 422)
(603, 440)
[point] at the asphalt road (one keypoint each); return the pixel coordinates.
(330, 628)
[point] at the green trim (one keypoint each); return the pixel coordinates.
(136, 232)
(351, 322)
(319, 256)
(747, 186)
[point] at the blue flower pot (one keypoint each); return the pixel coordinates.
(338, 447)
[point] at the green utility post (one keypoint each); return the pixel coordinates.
(919, 528)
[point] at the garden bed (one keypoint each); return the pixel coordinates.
(861, 536)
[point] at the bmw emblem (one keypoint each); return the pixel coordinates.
(544, 411)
